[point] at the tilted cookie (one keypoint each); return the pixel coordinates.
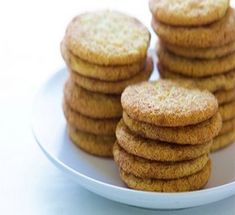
(144, 168)
(192, 134)
(187, 183)
(155, 149)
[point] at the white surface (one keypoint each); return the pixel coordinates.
(29, 53)
(100, 175)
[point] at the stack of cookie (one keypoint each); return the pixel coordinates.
(105, 52)
(197, 46)
(165, 136)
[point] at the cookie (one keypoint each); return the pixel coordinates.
(195, 67)
(187, 183)
(155, 149)
(223, 140)
(107, 38)
(167, 103)
(227, 111)
(213, 35)
(227, 126)
(201, 53)
(93, 144)
(191, 134)
(105, 73)
(91, 104)
(144, 168)
(225, 81)
(189, 12)
(225, 96)
(109, 87)
(90, 125)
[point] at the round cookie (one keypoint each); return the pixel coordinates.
(167, 103)
(227, 126)
(109, 87)
(188, 12)
(225, 81)
(159, 170)
(93, 144)
(188, 183)
(91, 104)
(105, 73)
(225, 96)
(223, 140)
(201, 53)
(214, 35)
(191, 134)
(157, 150)
(227, 111)
(195, 67)
(107, 38)
(90, 125)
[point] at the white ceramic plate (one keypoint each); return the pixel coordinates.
(100, 175)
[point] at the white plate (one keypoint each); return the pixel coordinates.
(100, 175)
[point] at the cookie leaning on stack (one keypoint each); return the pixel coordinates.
(165, 136)
(104, 51)
(197, 47)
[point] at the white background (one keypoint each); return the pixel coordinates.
(30, 33)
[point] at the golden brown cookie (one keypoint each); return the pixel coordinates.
(105, 73)
(227, 111)
(111, 87)
(91, 104)
(144, 168)
(201, 53)
(107, 38)
(191, 134)
(225, 81)
(187, 183)
(167, 103)
(223, 140)
(188, 12)
(225, 96)
(196, 67)
(93, 144)
(227, 126)
(157, 150)
(213, 35)
(90, 125)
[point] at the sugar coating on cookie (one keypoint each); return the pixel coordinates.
(107, 38)
(105, 73)
(216, 34)
(94, 144)
(144, 168)
(192, 134)
(187, 183)
(113, 87)
(167, 103)
(214, 83)
(155, 149)
(188, 12)
(88, 124)
(195, 67)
